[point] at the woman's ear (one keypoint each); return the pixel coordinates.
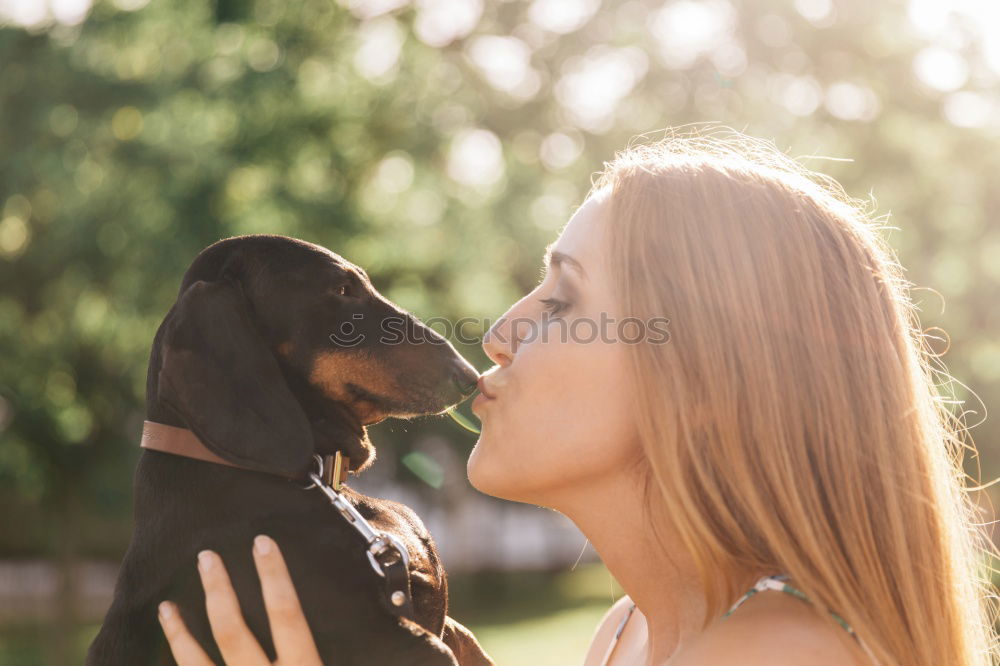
(220, 377)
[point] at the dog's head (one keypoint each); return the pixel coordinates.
(277, 349)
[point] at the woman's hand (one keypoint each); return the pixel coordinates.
(293, 641)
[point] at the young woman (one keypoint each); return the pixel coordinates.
(782, 432)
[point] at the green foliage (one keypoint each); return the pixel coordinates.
(136, 138)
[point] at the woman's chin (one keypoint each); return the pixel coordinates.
(489, 476)
(473, 468)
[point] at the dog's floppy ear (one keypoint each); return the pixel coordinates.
(464, 645)
(220, 377)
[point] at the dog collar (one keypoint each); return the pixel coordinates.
(183, 442)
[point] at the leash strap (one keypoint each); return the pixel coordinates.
(387, 554)
(398, 598)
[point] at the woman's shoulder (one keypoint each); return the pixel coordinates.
(616, 613)
(773, 630)
(605, 631)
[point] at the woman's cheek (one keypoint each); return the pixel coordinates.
(511, 458)
(547, 423)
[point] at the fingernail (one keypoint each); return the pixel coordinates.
(262, 544)
(205, 560)
(166, 610)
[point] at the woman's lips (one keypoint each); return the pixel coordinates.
(480, 399)
(483, 397)
(483, 390)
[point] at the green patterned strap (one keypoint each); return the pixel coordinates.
(778, 583)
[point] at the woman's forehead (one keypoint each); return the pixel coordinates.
(581, 238)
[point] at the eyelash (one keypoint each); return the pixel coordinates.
(554, 305)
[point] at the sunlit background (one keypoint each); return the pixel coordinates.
(441, 144)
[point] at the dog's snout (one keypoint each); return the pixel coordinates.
(464, 377)
(464, 385)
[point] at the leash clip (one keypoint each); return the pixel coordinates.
(381, 545)
(386, 553)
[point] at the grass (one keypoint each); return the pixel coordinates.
(558, 639)
(33, 644)
(543, 619)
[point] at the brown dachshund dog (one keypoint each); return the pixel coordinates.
(276, 350)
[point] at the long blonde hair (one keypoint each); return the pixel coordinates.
(792, 423)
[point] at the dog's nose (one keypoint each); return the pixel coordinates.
(465, 377)
(464, 386)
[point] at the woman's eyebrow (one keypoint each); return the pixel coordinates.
(556, 258)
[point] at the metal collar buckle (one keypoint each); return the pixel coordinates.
(332, 469)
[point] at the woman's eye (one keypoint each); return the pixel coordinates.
(554, 305)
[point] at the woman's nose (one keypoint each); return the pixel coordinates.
(497, 343)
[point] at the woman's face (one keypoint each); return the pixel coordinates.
(560, 415)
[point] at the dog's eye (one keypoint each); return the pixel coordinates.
(346, 289)
(350, 287)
